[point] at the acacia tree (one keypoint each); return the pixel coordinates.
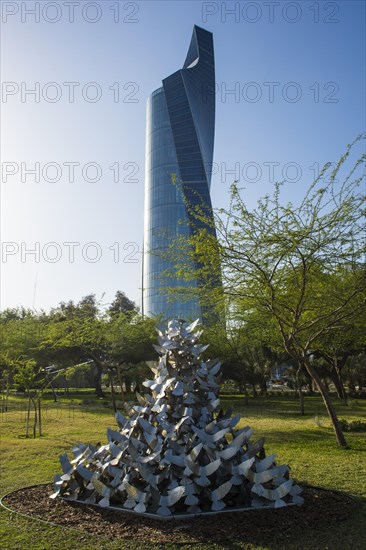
(21, 332)
(231, 345)
(302, 266)
(132, 342)
(336, 349)
(79, 333)
(34, 380)
(112, 343)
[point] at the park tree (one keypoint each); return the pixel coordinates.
(79, 335)
(34, 380)
(229, 343)
(303, 266)
(246, 348)
(8, 365)
(336, 348)
(74, 336)
(21, 334)
(132, 339)
(24, 362)
(121, 304)
(15, 314)
(88, 307)
(355, 373)
(110, 343)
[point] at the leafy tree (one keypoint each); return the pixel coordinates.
(73, 337)
(77, 333)
(121, 304)
(34, 380)
(7, 371)
(301, 266)
(78, 339)
(26, 376)
(355, 372)
(21, 335)
(110, 342)
(15, 314)
(246, 354)
(131, 345)
(335, 348)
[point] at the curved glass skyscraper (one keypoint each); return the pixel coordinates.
(179, 150)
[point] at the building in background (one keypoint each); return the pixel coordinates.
(179, 151)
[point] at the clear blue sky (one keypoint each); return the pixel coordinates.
(275, 52)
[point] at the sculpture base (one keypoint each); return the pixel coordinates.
(177, 515)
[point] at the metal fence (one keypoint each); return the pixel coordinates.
(91, 411)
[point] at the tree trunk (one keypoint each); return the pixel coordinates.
(263, 388)
(138, 387)
(7, 396)
(112, 391)
(28, 418)
(243, 390)
(338, 383)
(53, 393)
(310, 382)
(35, 419)
(300, 392)
(128, 381)
(255, 394)
(343, 390)
(328, 404)
(66, 388)
(39, 418)
(120, 380)
(351, 384)
(97, 379)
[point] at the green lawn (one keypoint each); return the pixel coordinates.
(306, 443)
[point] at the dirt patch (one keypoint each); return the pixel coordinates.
(321, 509)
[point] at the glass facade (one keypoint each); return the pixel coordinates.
(179, 150)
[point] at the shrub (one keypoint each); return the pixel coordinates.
(353, 426)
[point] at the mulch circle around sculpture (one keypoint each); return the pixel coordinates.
(321, 509)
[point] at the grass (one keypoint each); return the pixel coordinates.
(306, 443)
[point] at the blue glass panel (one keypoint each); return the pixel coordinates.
(179, 150)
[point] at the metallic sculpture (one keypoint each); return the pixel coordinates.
(177, 452)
